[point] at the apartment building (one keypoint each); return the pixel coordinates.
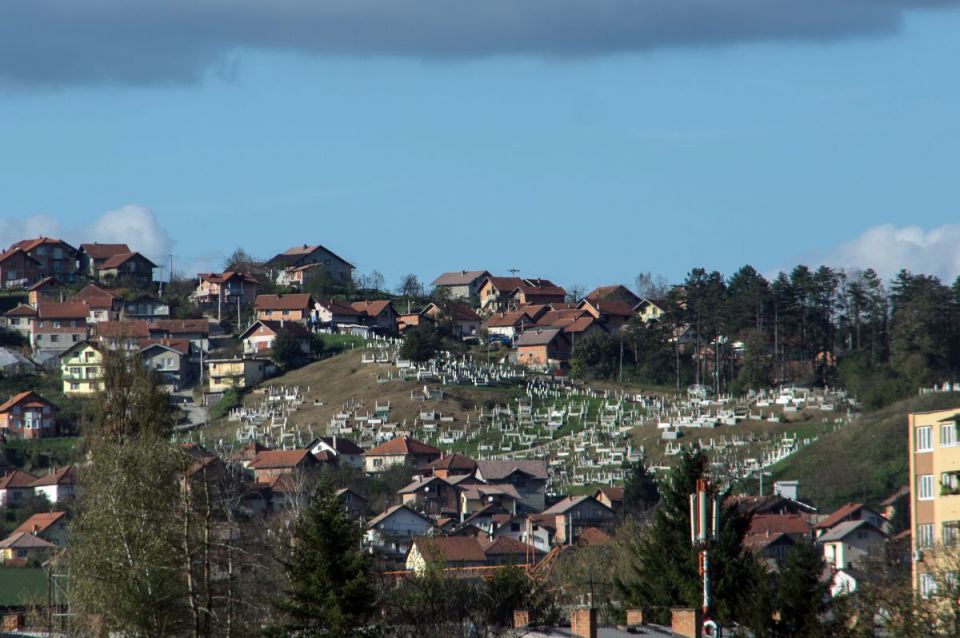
(934, 497)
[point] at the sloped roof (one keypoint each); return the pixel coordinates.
(276, 327)
(43, 283)
(453, 462)
(97, 250)
(135, 329)
(22, 310)
(294, 301)
(844, 529)
(342, 445)
(505, 284)
(292, 255)
(593, 536)
(759, 542)
(225, 276)
(13, 251)
(22, 397)
(270, 459)
(496, 470)
(568, 503)
(615, 291)
(792, 524)
(180, 346)
(508, 319)
(40, 522)
(338, 307)
(538, 337)
(23, 540)
(503, 546)
(119, 259)
(392, 511)
(91, 291)
(30, 244)
(451, 549)
(459, 278)
(16, 478)
(371, 308)
(613, 493)
(893, 498)
(613, 307)
(842, 512)
(180, 326)
(66, 475)
(417, 485)
(402, 445)
(68, 310)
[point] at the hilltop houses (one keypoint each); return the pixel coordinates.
(286, 264)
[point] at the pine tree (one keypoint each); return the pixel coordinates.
(801, 596)
(330, 592)
(640, 492)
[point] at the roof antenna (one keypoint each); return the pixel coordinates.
(514, 271)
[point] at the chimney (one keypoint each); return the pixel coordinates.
(686, 622)
(36, 528)
(583, 622)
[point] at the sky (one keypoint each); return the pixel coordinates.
(581, 142)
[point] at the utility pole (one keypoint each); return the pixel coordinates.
(171, 267)
(161, 280)
(514, 271)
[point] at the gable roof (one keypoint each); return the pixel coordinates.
(793, 524)
(66, 310)
(136, 329)
(66, 475)
(615, 291)
(10, 252)
(570, 502)
(338, 307)
(613, 307)
(450, 549)
(225, 276)
(418, 484)
(340, 444)
(539, 337)
(276, 327)
(293, 301)
(615, 494)
(22, 310)
(372, 308)
(46, 281)
(497, 470)
(97, 250)
(119, 259)
(15, 479)
(23, 540)
(23, 397)
(179, 326)
(393, 511)
(402, 445)
(504, 284)
(453, 462)
(844, 529)
(30, 244)
(459, 278)
(842, 512)
(39, 522)
(293, 255)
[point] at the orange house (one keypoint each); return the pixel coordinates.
(294, 307)
(543, 347)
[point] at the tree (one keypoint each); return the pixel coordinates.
(286, 350)
(640, 491)
(421, 343)
(801, 596)
(597, 356)
(240, 261)
(330, 592)
(410, 287)
(662, 570)
(131, 403)
(756, 367)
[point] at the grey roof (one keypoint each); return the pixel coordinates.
(10, 357)
(844, 529)
(393, 510)
(459, 278)
(538, 337)
(495, 470)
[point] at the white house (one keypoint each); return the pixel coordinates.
(846, 545)
(392, 531)
(57, 485)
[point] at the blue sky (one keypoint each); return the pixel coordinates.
(586, 169)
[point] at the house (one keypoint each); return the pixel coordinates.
(330, 313)
(50, 526)
(196, 331)
(399, 451)
(650, 309)
(170, 359)
(615, 292)
(379, 315)
(56, 258)
(20, 320)
(451, 465)
(146, 308)
(496, 293)
(771, 536)
(18, 269)
(610, 496)
(771, 549)
(337, 268)
(259, 337)
(528, 477)
(432, 495)
(225, 288)
(845, 581)
(28, 415)
(537, 291)
(291, 307)
(306, 277)
(57, 327)
(543, 348)
(574, 513)
(613, 312)
(235, 372)
(103, 305)
(82, 369)
(851, 512)
(57, 484)
(93, 256)
(354, 502)
(466, 323)
(462, 284)
(122, 335)
(347, 453)
(47, 289)
(132, 269)
(391, 532)
(468, 556)
(848, 544)
(896, 504)
(510, 324)
(269, 464)
(16, 487)
(21, 547)
(476, 496)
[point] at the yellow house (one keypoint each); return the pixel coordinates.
(82, 368)
(237, 372)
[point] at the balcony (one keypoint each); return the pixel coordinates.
(950, 483)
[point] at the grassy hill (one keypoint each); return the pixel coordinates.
(865, 461)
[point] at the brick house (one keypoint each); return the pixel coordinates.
(466, 323)
(291, 307)
(613, 312)
(58, 327)
(537, 291)
(103, 304)
(333, 313)
(270, 464)
(127, 268)
(380, 315)
(543, 347)
(28, 415)
(496, 292)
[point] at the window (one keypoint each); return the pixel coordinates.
(923, 439)
(925, 487)
(948, 435)
(74, 386)
(21, 553)
(928, 585)
(75, 371)
(950, 533)
(54, 338)
(925, 536)
(56, 324)
(76, 338)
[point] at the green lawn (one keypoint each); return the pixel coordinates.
(22, 585)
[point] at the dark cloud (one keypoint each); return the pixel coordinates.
(66, 42)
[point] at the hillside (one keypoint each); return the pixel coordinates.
(865, 461)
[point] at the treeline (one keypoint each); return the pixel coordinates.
(822, 327)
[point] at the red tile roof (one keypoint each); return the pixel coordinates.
(23, 540)
(46, 281)
(122, 258)
(792, 524)
(69, 310)
(270, 459)
(371, 308)
(104, 251)
(403, 445)
(179, 326)
(841, 513)
(13, 251)
(21, 398)
(66, 475)
(30, 244)
(296, 301)
(23, 310)
(16, 478)
(451, 549)
(39, 522)
(123, 329)
(453, 462)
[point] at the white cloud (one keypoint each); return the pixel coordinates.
(133, 225)
(889, 248)
(13, 230)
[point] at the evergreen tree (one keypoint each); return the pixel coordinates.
(801, 595)
(663, 570)
(330, 592)
(640, 492)
(286, 351)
